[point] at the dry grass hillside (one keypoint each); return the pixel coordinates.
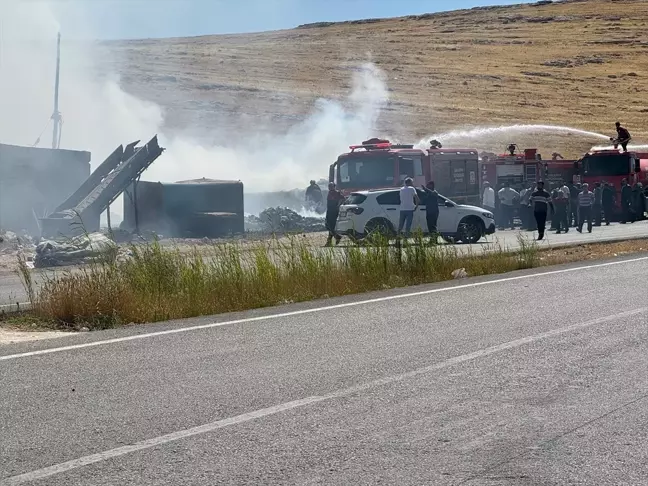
(576, 63)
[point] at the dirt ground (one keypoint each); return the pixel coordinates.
(10, 335)
(577, 63)
(599, 251)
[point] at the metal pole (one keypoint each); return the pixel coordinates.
(56, 116)
(135, 182)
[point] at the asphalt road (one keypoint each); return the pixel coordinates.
(12, 291)
(537, 378)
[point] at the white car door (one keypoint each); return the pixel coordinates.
(420, 221)
(389, 203)
(447, 223)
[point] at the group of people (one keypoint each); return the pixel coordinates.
(409, 202)
(566, 204)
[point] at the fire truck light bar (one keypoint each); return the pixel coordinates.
(385, 145)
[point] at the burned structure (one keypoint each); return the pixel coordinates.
(186, 209)
(81, 211)
(33, 180)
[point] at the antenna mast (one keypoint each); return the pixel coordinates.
(56, 116)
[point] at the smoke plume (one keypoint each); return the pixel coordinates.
(98, 114)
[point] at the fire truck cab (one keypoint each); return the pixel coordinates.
(378, 164)
(611, 166)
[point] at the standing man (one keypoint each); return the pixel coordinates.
(598, 204)
(626, 201)
(488, 198)
(432, 211)
(541, 201)
(638, 202)
(313, 196)
(623, 137)
(573, 204)
(333, 201)
(565, 190)
(608, 200)
(560, 204)
(409, 201)
(525, 206)
(585, 204)
(507, 196)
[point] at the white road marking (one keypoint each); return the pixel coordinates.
(264, 412)
(310, 311)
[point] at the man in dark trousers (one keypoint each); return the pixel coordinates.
(626, 201)
(333, 201)
(573, 204)
(560, 204)
(313, 195)
(623, 137)
(541, 201)
(638, 202)
(431, 211)
(585, 204)
(597, 209)
(609, 197)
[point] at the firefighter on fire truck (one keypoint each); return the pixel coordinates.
(623, 137)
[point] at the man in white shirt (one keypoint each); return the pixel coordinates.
(507, 196)
(488, 198)
(526, 211)
(409, 201)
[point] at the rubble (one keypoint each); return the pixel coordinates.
(13, 246)
(75, 251)
(11, 242)
(283, 220)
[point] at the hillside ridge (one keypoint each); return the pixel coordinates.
(579, 63)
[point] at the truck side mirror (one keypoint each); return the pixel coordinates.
(332, 173)
(637, 165)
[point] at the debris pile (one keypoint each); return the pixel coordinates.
(12, 246)
(11, 242)
(284, 220)
(75, 251)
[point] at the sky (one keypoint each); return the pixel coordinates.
(129, 19)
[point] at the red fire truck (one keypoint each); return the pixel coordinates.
(377, 164)
(612, 166)
(513, 167)
(527, 167)
(520, 168)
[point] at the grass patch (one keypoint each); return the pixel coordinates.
(159, 283)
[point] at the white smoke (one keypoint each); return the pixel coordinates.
(273, 162)
(98, 115)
